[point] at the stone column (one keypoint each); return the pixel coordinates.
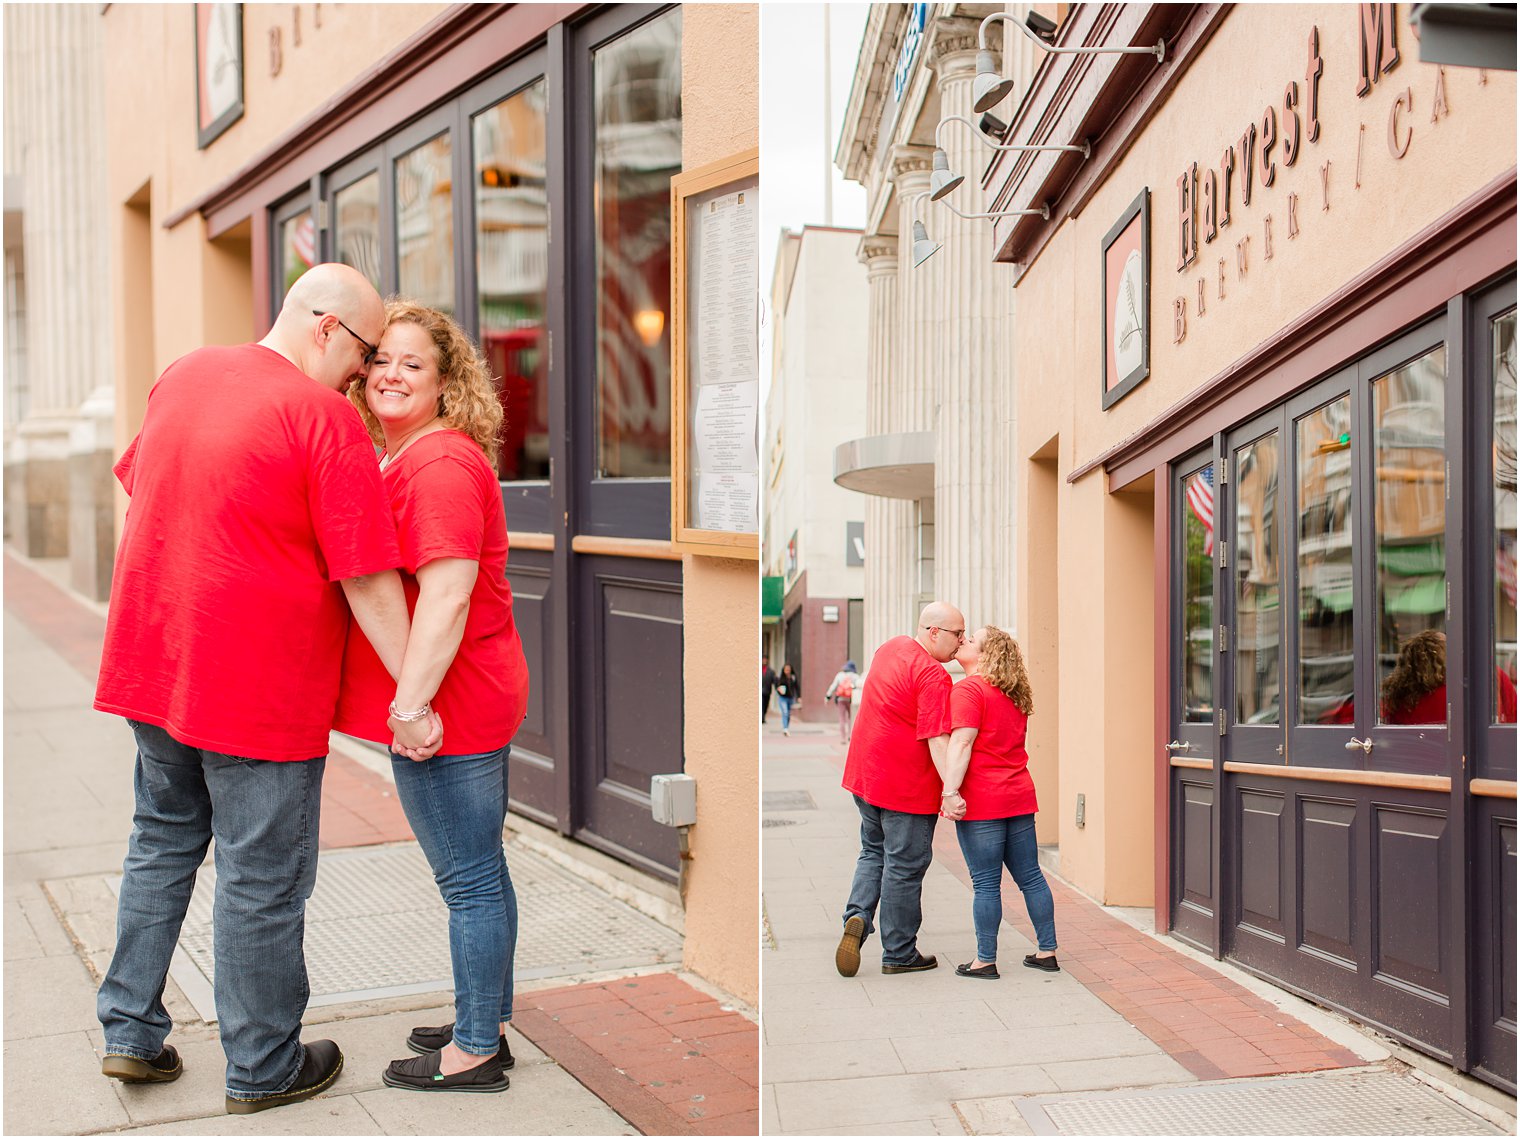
(969, 492)
(884, 561)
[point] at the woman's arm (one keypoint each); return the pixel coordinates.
(959, 758)
(443, 603)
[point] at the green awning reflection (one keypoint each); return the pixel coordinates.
(1421, 595)
(1414, 561)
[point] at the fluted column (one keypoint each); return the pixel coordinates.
(916, 368)
(972, 573)
(884, 557)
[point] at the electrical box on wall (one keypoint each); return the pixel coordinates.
(673, 800)
(1081, 809)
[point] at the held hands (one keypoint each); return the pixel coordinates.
(417, 739)
(952, 806)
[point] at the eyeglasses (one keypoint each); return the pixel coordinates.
(370, 350)
(958, 634)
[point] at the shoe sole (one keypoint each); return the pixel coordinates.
(249, 1106)
(131, 1070)
(1042, 968)
(392, 1082)
(977, 974)
(847, 956)
(506, 1065)
(909, 968)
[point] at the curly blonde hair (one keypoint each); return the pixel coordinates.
(467, 399)
(1421, 670)
(1003, 668)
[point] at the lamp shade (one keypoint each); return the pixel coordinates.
(989, 88)
(923, 248)
(943, 179)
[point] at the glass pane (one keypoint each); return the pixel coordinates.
(1198, 597)
(356, 224)
(1326, 665)
(298, 248)
(512, 267)
(1503, 688)
(1258, 603)
(1409, 456)
(638, 148)
(425, 225)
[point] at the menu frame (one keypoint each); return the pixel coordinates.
(738, 170)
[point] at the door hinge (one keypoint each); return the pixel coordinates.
(1219, 712)
(1224, 555)
(1224, 472)
(1224, 638)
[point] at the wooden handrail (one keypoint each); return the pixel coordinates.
(625, 547)
(527, 540)
(1339, 775)
(1493, 788)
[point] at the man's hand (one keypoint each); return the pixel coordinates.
(952, 806)
(417, 740)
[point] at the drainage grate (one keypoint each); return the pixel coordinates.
(376, 927)
(1375, 1102)
(779, 822)
(787, 801)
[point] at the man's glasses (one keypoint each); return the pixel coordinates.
(958, 634)
(370, 350)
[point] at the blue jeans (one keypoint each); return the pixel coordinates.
(989, 845)
(457, 805)
(786, 711)
(264, 817)
(895, 851)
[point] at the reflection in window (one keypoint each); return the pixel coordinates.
(298, 248)
(1503, 705)
(512, 267)
(356, 223)
(1409, 460)
(638, 149)
(1257, 582)
(1326, 664)
(1198, 597)
(425, 225)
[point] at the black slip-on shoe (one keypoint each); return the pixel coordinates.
(162, 1069)
(319, 1071)
(425, 1040)
(847, 956)
(988, 971)
(421, 1074)
(917, 965)
(1044, 964)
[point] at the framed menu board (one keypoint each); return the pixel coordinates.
(715, 409)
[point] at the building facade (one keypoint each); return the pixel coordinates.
(510, 164)
(1254, 437)
(814, 532)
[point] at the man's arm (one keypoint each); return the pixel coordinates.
(379, 605)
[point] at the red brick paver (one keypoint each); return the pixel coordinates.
(663, 1055)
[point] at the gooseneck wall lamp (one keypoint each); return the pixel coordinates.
(943, 179)
(924, 247)
(990, 88)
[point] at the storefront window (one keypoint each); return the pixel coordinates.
(1257, 584)
(512, 268)
(1198, 597)
(1503, 686)
(637, 150)
(298, 248)
(356, 220)
(1409, 456)
(425, 224)
(1326, 677)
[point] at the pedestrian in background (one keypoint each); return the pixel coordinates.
(788, 695)
(842, 692)
(767, 684)
(255, 511)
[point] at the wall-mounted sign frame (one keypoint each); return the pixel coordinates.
(218, 70)
(715, 360)
(1126, 324)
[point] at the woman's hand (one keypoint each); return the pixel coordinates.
(417, 739)
(952, 806)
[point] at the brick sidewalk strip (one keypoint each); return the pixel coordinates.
(70, 629)
(663, 1055)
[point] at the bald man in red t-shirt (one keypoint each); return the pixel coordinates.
(895, 770)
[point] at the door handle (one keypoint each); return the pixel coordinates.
(1365, 746)
(1175, 746)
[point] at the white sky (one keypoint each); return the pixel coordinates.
(796, 146)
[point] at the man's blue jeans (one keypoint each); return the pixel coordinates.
(895, 851)
(264, 817)
(457, 805)
(989, 845)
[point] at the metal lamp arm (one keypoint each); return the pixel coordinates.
(1085, 149)
(1159, 51)
(1042, 212)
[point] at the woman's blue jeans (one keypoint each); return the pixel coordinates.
(988, 846)
(456, 805)
(786, 711)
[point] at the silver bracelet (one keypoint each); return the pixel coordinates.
(410, 717)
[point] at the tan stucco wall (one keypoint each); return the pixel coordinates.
(1104, 624)
(720, 58)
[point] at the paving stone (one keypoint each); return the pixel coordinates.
(814, 1026)
(791, 1063)
(1117, 1072)
(840, 993)
(45, 996)
(809, 1107)
(543, 1100)
(35, 1070)
(325, 1115)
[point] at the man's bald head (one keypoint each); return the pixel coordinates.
(331, 318)
(941, 628)
(341, 290)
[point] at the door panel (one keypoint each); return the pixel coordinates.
(1327, 917)
(1260, 859)
(531, 781)
(1409, 867)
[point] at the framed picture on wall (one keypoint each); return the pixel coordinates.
(1127, 301)
(218, 70)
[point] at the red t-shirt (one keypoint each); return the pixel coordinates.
(997, 783)
(447, 504)
(254, 491)
(905, 703)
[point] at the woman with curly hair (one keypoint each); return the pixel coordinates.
(1415, 691)
(429, 401)
(991, 795)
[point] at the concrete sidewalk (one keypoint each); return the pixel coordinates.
(610, 1040)
(1032, 1053)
